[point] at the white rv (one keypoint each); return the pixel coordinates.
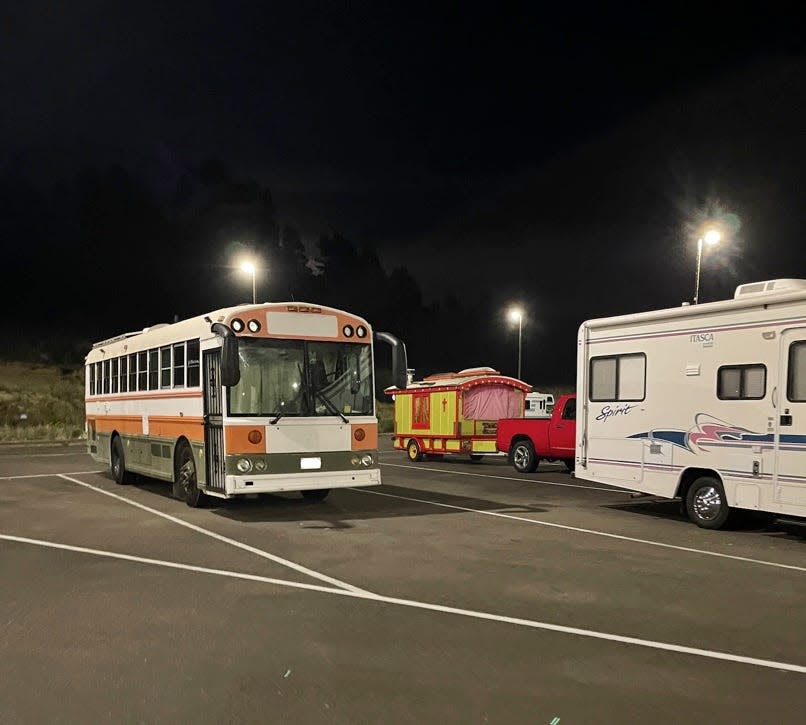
(703, 402)
(538, 405)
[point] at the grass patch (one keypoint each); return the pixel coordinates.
(40, 402)
(386, 417)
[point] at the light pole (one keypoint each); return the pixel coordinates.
(516, 315)
(711, 237)
(249, 268)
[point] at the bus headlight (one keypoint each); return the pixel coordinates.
(260, 464)
(244, 465)
(366, 460)
(355, 460)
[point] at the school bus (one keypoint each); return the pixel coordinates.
(249, 399)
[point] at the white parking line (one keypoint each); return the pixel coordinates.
(533, 624)
(232, 542)
(586, 531)
(48, 475)
(507, 478)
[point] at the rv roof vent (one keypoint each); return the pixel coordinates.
(773, 285)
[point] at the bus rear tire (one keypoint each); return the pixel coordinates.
(185, 480)
(707, 505)
(524, 459)
(413, 451)
(315, 495)
(118, 462)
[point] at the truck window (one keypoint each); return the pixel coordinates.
(741, 382)
(618, 377)
(570, 410)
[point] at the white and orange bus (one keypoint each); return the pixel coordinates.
(249, 399)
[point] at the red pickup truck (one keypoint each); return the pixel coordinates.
(527, 440)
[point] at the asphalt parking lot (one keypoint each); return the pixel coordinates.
(455, 592)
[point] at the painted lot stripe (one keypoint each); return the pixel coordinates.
(487, 616)
(587, 531)
(48, 475)
(508, 478)
(232, 542)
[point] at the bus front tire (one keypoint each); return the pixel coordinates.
(315, 495)
(118, 462)
(413, 451)
(185, 482)
(707, 505)
(524, 459)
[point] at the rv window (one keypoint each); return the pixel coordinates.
(741, 382)
(618, 377)
(796, 381)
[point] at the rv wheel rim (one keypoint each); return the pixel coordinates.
(707, 503)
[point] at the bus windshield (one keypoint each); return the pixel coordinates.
(282, 378)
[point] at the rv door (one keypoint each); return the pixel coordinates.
(790, 422)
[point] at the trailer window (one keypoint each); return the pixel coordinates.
(741, 382)
(796, 380)
(618, 377)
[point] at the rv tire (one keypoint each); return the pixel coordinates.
(524, 458)
(706, 503)
(413, 451)
(569, 463)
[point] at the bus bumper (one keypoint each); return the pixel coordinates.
(273, 483)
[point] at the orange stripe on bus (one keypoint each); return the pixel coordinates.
(370, 442)
(149, 395)
(236, 439)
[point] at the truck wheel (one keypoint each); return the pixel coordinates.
(706, 504)
(569, 463)
(315, 495)
(413, 451)
(524, 458)
(476, 457)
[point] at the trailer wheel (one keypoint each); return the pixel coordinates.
(185, 481)
(569, 463)
(118, 462)
(413, 451)
(315, 495)
(524, 458)
(706, 503)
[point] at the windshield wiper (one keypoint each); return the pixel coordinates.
(279, 415)
(330, 405)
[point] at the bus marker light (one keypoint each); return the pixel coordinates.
(359, 434)
(253, 325)
(237, 324)
(255, 436)
(361, 331)
(347, 330)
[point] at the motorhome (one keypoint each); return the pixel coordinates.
(538, 405)
(702, 402)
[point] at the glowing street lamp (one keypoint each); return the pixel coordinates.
(516, 315)
(250, 268)
(711, 237)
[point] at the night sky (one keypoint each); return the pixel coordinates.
(559, 156)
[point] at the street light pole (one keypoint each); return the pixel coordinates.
(249, 268)
(517, 314)
(711, 237)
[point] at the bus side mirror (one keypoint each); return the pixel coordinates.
(230, 368)
(399, 362)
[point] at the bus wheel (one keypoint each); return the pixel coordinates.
(118, 462)
(569, 463)
(185, 482)
(413, 451)
(524, 459)
(315, 495)
(476, 457)
(706, 504)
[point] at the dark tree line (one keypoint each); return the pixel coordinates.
(104, 254)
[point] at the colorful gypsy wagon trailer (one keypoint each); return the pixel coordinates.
(453, 413)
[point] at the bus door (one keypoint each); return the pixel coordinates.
(790, 425)
(213, 421)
